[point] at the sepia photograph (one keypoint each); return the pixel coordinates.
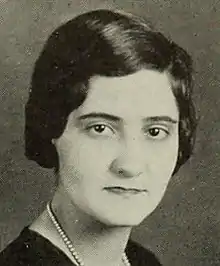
(110, 133)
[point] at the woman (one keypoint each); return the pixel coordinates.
(110, 110)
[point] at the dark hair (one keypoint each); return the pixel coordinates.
(106, 43)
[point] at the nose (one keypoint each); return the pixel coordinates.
(130, 160)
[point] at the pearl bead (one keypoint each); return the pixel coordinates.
(68, 242)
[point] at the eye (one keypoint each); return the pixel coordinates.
(157, 133)
(100, 130)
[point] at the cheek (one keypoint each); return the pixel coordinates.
(85, 158)
(161, 174)
(163, 162)
(95, 156)
(164, 157)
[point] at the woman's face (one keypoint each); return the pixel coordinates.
(119, 148)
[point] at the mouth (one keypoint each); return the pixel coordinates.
(125, 191)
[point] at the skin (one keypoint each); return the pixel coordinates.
(123, 137)
(112, 133)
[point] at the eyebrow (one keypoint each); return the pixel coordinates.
(100, 115)
(114, 118)
(161, 119)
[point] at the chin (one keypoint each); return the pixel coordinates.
(122, 221)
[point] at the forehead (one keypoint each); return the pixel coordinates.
(144, 93)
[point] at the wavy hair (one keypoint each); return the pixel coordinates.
(106, 43)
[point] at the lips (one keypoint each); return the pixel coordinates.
(124, 190)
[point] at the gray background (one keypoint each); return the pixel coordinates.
(184, 230)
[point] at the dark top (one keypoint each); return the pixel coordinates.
(32, 249)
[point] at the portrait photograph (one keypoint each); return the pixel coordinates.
(110, 133)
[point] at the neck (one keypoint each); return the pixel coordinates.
(96, 243)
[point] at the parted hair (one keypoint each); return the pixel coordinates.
(106, 43)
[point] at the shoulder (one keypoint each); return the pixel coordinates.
(140, 256)
(31, 249)
(17, 251)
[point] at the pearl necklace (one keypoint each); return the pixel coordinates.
(68, 242)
